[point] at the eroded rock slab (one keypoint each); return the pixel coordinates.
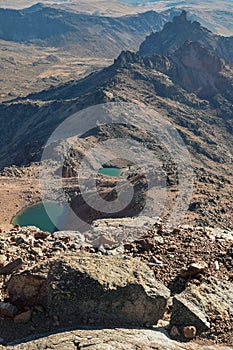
(111, 232)
(199, 305)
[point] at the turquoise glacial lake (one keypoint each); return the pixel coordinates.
(110, 171)
(36, 215)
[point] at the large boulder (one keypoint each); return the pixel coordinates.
(113, 232)
(105, 290)
(83, 289)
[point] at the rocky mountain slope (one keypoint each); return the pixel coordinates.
(192, 67)
(31, 68)
(181, 29)
(51, 283)
(96, 7)
(124, 272)
(216, 16)
(32, 64)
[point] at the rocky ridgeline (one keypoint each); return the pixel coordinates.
(181, 279)
(18, 171)
(212, 74)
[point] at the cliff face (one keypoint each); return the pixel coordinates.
(202, 72)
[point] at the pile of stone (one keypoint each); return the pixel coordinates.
(50, 282)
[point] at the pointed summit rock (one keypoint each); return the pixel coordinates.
(181, 18)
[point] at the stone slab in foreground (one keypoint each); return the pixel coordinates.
(106, 290)
(83, 289)
(110, 339)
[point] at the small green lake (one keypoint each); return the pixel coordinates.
(36, 215)
(110, 171)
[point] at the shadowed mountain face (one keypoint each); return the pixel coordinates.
(200, 71)
(192, 86)
(196, 69)
(84, 33)
(192, 69)
(217, 16)
(177, 32)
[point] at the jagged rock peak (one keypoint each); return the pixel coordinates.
(183, 21)
(181, 18)
(127, 57)
(174, 35)
(201, 71)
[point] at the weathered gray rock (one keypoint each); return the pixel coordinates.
(113, 232)
(84, 289)
(197, 305)
(187, 313)
(106, 290)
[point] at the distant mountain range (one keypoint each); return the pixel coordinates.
(216, 15)
(84, 33)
